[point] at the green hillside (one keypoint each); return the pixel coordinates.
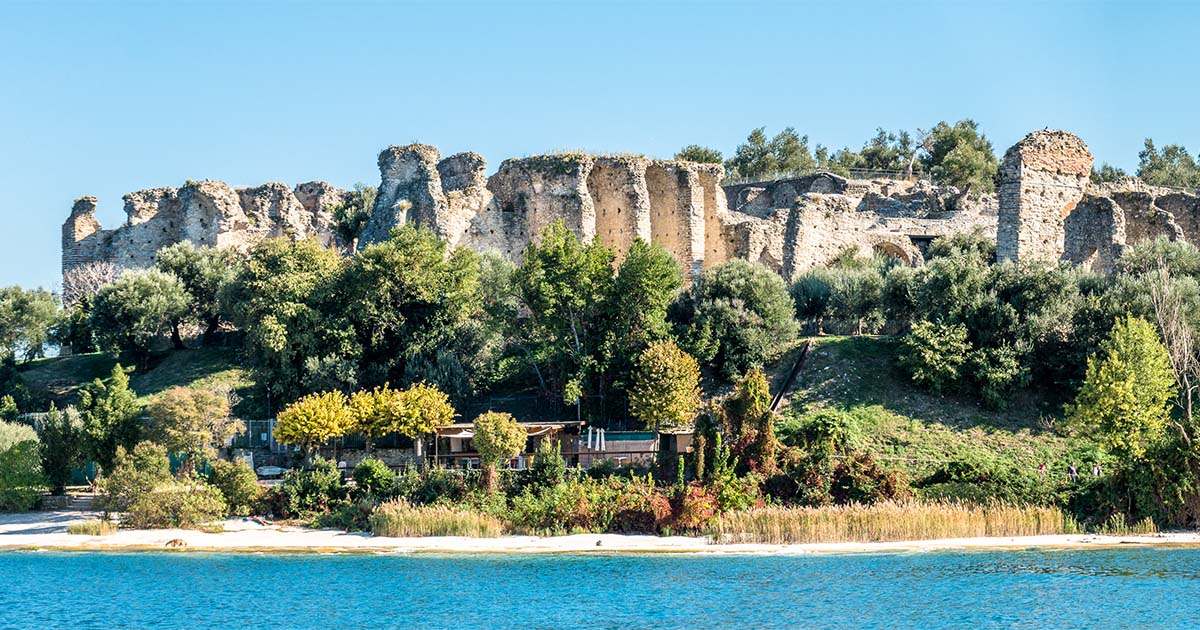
(918, 432)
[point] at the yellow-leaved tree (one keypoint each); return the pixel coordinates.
(666, 387)
(498, 438)
(1124, 401)
(313, 420)
(414, 412)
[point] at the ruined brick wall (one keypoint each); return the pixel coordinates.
(1041, 180)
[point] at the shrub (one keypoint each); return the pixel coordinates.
(573, 506)
(93, 527)
(934, 355)
(313, 490)
(736, 316)
(641, 508)
(400, 519)
(373, 478)
(21, 479)
(434, 484)
(549, 468)
(858, 478)
(182, 504)
(694, 508)
(134, 474)
(237, 483)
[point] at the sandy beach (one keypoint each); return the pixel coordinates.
(48, 531)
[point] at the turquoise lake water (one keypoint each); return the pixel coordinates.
(1077, 589)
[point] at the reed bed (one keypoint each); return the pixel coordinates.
(887, 522)
(94, 527)
(399, 519)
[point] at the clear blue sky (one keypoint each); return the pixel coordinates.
(106, 99)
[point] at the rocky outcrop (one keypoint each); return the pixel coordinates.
(410, 188)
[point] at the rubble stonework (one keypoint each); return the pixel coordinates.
(204, 213)
(1041, 180)
(1045, 210)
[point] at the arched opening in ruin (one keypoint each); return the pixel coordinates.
(894, 251)
(1092, 233)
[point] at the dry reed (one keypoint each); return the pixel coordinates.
(887, 522)
(94, 527)
(399, 519)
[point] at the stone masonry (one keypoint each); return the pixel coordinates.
(1045, 210)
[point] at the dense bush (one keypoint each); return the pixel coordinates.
(737, 315)
(21, 479)
(134, 474)
(549, 468)
(373, 478)
(184, 504)
(313, 490)
(237, 483)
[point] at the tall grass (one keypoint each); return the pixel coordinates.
(94, 527)
(887, 522)
(398, 518)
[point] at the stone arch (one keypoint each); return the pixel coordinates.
(907, 254)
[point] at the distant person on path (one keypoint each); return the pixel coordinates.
(1096, 469)
(1042, 469)
(1073, 473)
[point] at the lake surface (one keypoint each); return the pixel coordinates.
(1103, 588)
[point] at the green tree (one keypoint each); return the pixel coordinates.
(238, 485)
(194, 422)
(738, 315)
(414, 412)
(277, 300)
(749, 419)
(61, 440)
(498, 438)
(959, 155)
(205, 272)
(760, 158)
(21, 480)
(352, 214)
(404, 299)
(26, 318)
(1170, 166)
(934, 355)
(1107, 173)
(564, 285)
(1125, 398)
(697, 153)
(8, 408)
(109, 414)
(137, 310)
(314, 420)
(666, 387)
(135, 473)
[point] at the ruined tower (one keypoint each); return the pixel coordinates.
(1042, 178)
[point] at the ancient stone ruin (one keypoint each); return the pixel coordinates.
(1045, 210)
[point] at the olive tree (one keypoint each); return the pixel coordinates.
(192, 421)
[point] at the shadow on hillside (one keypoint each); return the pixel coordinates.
(854, 371)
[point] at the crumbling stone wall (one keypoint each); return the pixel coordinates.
(205, 213)
(1042, 178)
(1045, 210)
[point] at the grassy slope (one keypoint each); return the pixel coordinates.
(914, 430)
(59, 379)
